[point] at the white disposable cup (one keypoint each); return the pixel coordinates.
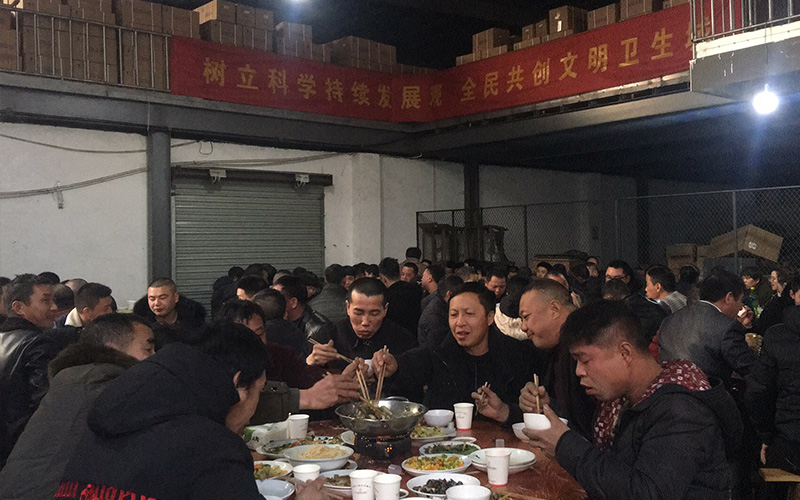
(306, 472)
(497, 460)
(463, 413)
(536, 421)
(387, 487)
(131, 304)
(297, 426)
(361, 486)
(468, 492)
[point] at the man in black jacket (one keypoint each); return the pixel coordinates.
(434, 324)
(662, 430)
(24, 354)
(404, 299)
(297, 309)
(174, 318)
(330, 301)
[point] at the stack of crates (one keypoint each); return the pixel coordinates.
(361, 53)
(237, 25)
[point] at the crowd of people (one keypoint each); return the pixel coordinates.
(672, 386)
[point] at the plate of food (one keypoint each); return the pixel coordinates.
(519, 460)
(449, 447)
(337, 480)
(327, 456)
(417, 466)
(270, 469)
(428, 434)
(275, 449)
(435, 485)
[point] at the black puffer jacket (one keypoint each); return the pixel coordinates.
(158, 431)
(671, 446)
(188, 329)
(773, 387)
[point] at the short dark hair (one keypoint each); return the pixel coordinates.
(497, 271)
(689, 274)
(509, 305)
(238, 311)
(412, 266)
(116, 329)
(90, 294)
(63, 296)
(413, 253)
(21, 289)
(633, 282)
(449, 283)
(235, 272)
(752, 272)
(237, 349)
(293, 287)
(49, 278)
(252, 284)
(389, 267)
(254, 270)
(335, 274)
(270, 270)
(161, 282)
(719, 284)
(594, 323)
(271, 302)
(783, 274)
(437, 272)
(662, 275)
(545, 265)
(464, 272)
(486, 297)
(551, 289)
(373, 269)
(615, 290)
(349, 270)
(579, 272)
(369, 287)
(794, 283)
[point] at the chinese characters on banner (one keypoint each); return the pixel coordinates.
(635, 50)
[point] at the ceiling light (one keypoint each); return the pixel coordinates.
(766, 101)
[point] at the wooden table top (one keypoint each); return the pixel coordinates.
(546, 480)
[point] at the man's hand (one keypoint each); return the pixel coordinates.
(527, 398)
(332, 389)
(547, 439)
(322, 354)
(379, 359)
(745, 316)
(763, 454)
(492, 406)
(311, 490)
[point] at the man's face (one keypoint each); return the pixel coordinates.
(256, 324)
(795, 297)
(407, 274)
(240, 414)
(102, 307)
(469, 321)
(750, 282)
(497, 285)
(366, 314)
(730, 305)
(617, 273)
(541, 320)
(241, 294)
(162, 300)
(541, 272)
(773, 281)
(143, 344)
(427, 279)
(348, 280)
(602, 370)
(40, 310)
(652, 291)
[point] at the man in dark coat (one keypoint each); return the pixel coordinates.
(174, 318)
(24, 353)
(297, 309)
(280, 330)
(434, 324)
(107, 347)
(662, 430)
(404, 299)
(92, 300)
(330, 301)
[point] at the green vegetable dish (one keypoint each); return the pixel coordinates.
(456, 449)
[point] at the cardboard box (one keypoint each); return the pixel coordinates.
(95, 16)
(352, 47)
(245, 15)
(748, 239)
(629, 9)
(93, 5)
(54, 7)
(256, 39)
(293, 47)
(293, 30)
(9, 62)
(139, 15)
(321, 53)
(465, 59)
(97, 72)
(222, 32)
(525, 44)
(9, 44)
(217, 10)
(567, 18)
(560, 34)
(535, 30)
(143, 64)
(676, 263)
(264, 19)
(489, 39)
(494, 52)
(181, 22)
(603, 16)
(682, 250)
(104, 49)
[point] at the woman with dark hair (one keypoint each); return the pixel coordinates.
(781, 299)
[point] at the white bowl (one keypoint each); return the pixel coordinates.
(275, 488)
(417, 482)
(468, 492)
(293, 454)
(418, 472)
(519, 460)
(518, 431)
(286, 468)
(439, 418)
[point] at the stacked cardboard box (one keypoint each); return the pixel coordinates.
(559, 34)
(9, 43)
(254, 37)
(566, 18)
(50, 47)
(293, 39)
(532, 34)
(99, 11)
(54, 7)
(103, 53)
(180, 22)
(361, 53)
(629, 9)
(217, 10)
(486, 44)
(603, 16)
(238, 25)
(140, 15)
(144, 60)
(222, 32)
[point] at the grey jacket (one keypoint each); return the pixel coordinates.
(330, 302)
(705, 336)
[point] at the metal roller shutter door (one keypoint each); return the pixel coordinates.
(237, 223)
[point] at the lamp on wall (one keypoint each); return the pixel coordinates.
(766, 101)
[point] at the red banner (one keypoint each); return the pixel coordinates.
(631, 51)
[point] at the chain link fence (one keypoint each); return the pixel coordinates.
(732, 229)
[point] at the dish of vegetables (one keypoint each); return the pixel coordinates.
(432, 463)
(270, 470)
(449, 447)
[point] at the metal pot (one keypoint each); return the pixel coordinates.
(371, 427)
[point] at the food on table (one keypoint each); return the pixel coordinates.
(456, 449)
(320, 451)
(263, 471)
(438, 486)
(497, 496)
(441, 462)
(277, 450)
(338, 480)
(371, 411)
(423, 431)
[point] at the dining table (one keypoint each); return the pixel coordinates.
(545, 480)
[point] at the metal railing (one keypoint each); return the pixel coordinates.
(711, 19)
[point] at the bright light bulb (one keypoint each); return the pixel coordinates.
(766, 101)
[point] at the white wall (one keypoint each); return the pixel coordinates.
(100, 234)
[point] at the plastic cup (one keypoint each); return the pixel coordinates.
(387, 487)
(468, 492)
(463, 413)
(131, 303)
(536, 421)
(306, 472)
(297, 426)
(361, 484)
(497, 460)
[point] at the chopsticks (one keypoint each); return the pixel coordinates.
(382, 375)
(340, 356)
(362, 382)
(485, 385)
(536, 388)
